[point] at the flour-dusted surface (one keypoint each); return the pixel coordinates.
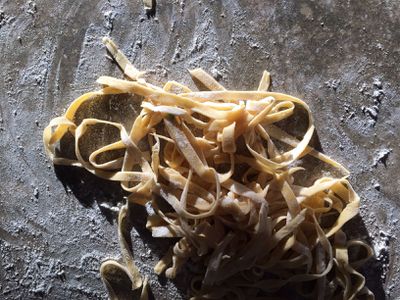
(341, 57)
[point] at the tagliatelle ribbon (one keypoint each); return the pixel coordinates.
(211, 157)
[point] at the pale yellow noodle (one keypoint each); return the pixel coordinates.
(213, 157)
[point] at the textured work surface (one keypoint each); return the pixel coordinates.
(341, 57)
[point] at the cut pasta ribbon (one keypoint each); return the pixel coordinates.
(209, 164)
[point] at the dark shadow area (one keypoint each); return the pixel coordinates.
(373, 269)
(158, 246)
(151, 12)
(85, 186)
(297, 125)
(121, 284)
(89, 189)
(138, 217)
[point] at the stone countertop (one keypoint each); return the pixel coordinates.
(341, 57)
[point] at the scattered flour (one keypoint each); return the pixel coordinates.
(31, 8)
(333, 84)
(5, 19)
(109, 17)
(377, 94)
(381, 249)
(381, 157)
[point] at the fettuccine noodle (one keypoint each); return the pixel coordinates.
(214, 158)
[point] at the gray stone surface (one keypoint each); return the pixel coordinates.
(342, 57)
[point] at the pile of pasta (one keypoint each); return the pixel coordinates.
(213, 168)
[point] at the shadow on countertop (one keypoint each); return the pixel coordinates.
(89, 189)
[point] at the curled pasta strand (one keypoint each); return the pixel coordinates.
(211, 165)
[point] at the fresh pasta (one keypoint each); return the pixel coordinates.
(212, 166)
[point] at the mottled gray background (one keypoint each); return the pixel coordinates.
(342, 57)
